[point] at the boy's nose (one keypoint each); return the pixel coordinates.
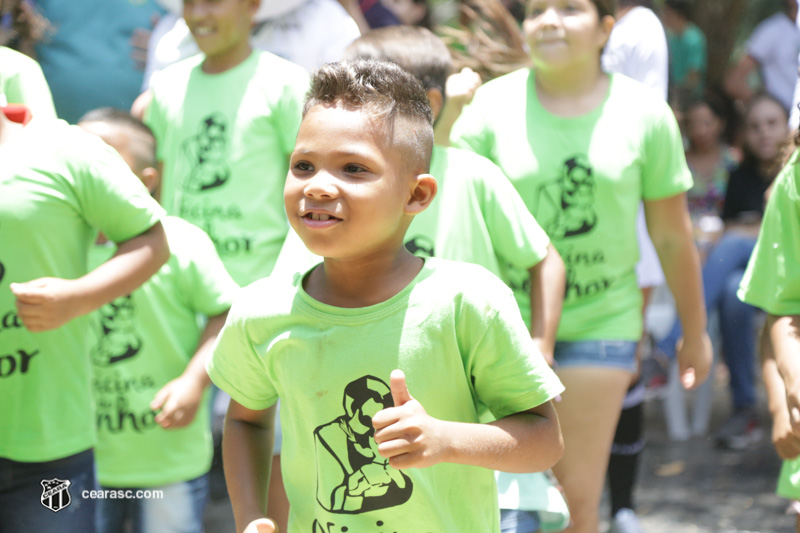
(321, 185)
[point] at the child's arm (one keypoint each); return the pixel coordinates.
(48, 303)
(784, 332)
(179, 399)
(671, 232)
(548, 280)
(459, 90)
(247, 459)
(529, 441)
(786, 443)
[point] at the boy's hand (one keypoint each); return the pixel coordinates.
(47, 303)
(178, 401)
(261, 525)
(405, 433)
(785, 441)
(694, 359)
(461, 86)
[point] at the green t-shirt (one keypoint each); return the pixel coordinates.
(477, 217)
(144, 340)
(225, 141)
(772, 278)
(58, 186)
(22, 82)
(455, 331)
(583, 179)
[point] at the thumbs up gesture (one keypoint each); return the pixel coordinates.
(46, 303)
(405, 433)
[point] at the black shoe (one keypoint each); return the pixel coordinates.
(740, 431)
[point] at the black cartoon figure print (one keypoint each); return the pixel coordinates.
(207, 153)
(118, 337)
(565, 205)
(421, 246)
(352, 477)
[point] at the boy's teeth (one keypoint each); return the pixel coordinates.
(320, 216)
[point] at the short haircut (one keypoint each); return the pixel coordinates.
(416, 49)
(142, 140)
(682, 7)
(605, 7)
(394, 97)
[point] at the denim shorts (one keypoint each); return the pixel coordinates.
(610, 354)
(518, 521)
(177, 508)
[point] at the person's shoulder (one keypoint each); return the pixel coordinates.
(463, 283)
(499, 88)
(266, 298)
(14, 62)
(273, 64)
(642, 19)
(694, 35)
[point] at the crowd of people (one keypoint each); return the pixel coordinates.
(417, 294)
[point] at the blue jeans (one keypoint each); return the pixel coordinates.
(722, 274)
(517, 521)
(180, 510)
(602, 353)
(24, 499)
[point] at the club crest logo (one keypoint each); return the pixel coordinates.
(55, 494)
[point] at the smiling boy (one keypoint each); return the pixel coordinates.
(364, 448)
(225, 123)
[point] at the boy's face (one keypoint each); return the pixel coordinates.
(219, 26)
(348, 191)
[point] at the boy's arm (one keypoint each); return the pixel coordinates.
(671, 232)
(529, 441)
(247, 459)
(459, 90)
(786, 443)
(179, 399)
(48, 303)
(548, 281)
(784, 332)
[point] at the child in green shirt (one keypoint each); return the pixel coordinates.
(155, 434)
(225, 122)
(58, 187)
(772, 282)
(363, 449)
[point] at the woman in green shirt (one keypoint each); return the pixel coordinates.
(584, 148)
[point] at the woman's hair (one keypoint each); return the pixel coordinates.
(20, 24)
(785, 145)
(721, 107)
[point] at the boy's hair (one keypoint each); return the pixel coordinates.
(142, 140)
(394, 97)
(605, 7)
(416, 49)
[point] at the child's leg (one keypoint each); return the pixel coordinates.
(588, 413)
(626, 449)
(180, 510)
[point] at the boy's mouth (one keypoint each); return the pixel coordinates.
(320, 216)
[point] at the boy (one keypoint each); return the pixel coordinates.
(225, 122)
(361, 451)
(152, 340)
(58, 186)
(772, 282)
(499, 234)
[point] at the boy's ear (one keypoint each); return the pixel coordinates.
(422, 194)
(151, 179)
(436, 98)
(253, 5)
(606, 25)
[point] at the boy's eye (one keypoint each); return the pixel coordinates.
(354, 169)
(303, 166)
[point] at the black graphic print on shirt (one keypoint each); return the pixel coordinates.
(118, 337)
(352, 477)
(564, 206)
(207, 153)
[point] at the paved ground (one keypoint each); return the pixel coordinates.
(685, 487)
